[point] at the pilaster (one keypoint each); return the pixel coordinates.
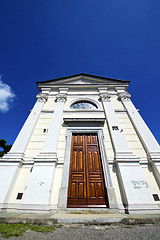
(49, 150)
(39, 190)
(12, 161)
(131, 179)
(118, 140)
(149, 142)
(9, 173)
(135, 193)
(38, 193)
(21, 142)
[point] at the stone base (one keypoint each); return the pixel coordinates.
(43, 208)
(142, 209)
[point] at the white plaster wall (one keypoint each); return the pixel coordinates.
(35, 145)
(61, 143)
(40, 137)
(40, 185)
(107, 142)
(37, 139)
(68, 101)
(20, 184)
(84, 92)
(147, 171)
(56, 185)
(135, 184)
(7, 176)
(85, 114)
(50, 104)
(115, 184)
(116, 104)
(131, 135)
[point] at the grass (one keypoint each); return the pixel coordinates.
(18, 229)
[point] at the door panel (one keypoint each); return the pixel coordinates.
(86, 184)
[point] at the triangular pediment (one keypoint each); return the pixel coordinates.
(80, 81)
(83, 79)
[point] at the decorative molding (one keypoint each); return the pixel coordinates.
(84, 110)
(67, 120)
(47, 111)
(126, 157)
(120, 110)
(61, 97)
(42, 97)
(105, 97)
(125, 96)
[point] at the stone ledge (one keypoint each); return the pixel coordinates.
(73, 120)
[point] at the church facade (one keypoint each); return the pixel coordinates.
(83, 145)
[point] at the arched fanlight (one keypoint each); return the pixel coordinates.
(83, 105)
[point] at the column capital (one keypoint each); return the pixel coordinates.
(61, 97)
(42, 97)
(125, 96)
(105, 97)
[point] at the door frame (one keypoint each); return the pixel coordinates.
(63, 194)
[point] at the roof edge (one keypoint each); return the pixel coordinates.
(82, 74)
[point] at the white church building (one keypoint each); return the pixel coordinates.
(83, 145)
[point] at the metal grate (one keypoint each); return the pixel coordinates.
(19, 196)
(115, 127)
(156, 197)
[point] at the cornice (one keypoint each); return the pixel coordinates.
(86, 76)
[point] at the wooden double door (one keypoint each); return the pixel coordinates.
(86, 183)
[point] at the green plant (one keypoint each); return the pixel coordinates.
(18, 229)
(5, 147)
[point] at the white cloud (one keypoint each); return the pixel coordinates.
(6, 96)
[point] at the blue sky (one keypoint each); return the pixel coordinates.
(46, 39)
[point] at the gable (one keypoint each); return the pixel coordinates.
(84, 79)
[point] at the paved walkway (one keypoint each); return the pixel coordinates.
(83, 217)
(95, 232)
